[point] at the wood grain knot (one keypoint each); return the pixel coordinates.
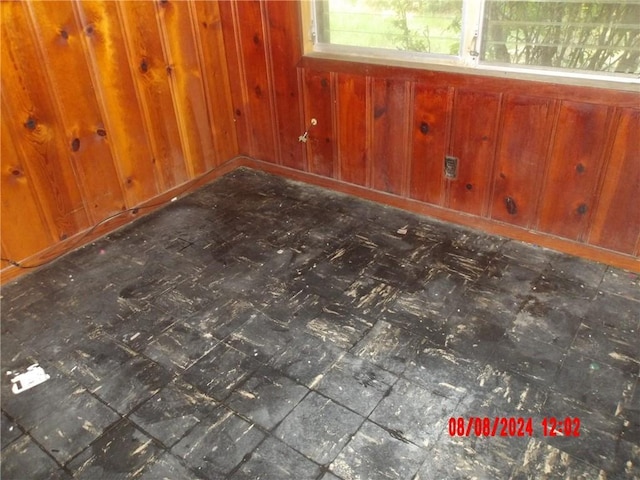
(31, 123)
(582, 208)
(16, 173)
(580, 168)
(424, 128)
(64, 34)
(510, 203)
(469, 186)
(144, 66)
(102, 132)
(75, 145)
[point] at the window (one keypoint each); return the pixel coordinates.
(597, 38)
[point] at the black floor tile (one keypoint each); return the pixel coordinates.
(551, 319)
(460, 458)
(119, 453)
(274, 459)
(217, 447)
(266, 397)
(389, 347)
(74, 423)
(373, 453)
(597, 385)
(623, 283)
(307, 359)
(221, 319)
(414, 414)
(179, 347)
(339, 325)
(262, 328)
(356, 384)
(131, 384)
(169, 467)
(220, 371)
(545, 461)
(318, 428)
(173, 412)
(137, 327)
(443, 372)
(261, 337)
(10, 431)
(24, 459)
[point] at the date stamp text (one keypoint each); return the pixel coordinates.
(513, 427)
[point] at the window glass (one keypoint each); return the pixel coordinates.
(409, 25)
(587, 37)
(597, 36)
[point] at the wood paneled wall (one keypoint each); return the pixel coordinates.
(112, 105)
(105, 106)
(555, 164)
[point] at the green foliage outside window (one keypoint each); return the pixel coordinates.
(595, 36)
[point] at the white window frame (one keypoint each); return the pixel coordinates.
(465, 62)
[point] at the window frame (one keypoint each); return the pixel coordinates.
(464, 62)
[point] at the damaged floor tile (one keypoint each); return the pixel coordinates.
(261, 328)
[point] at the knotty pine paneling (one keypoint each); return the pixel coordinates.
(430, 138)
(616, 225)
(524, 133)
(568, 195)
(318, 104)
(351, 128)
(285, 41)
(181, 45)
(33, 121)
(215, 75)
(105, 106)
(389, 135)
(151, 84)
(18, 190)
(113, 82)
(162, 91)
(67, 73)
(250, 60)
(509, 134)
(473, 137)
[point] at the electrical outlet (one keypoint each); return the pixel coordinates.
(450, 166)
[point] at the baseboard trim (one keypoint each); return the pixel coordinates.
(589, 252)
(563, 245)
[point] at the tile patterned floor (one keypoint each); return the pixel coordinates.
(264, 329)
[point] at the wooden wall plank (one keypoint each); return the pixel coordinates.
(65, 68)
(216, 77)
(616, 221)
(236, 67)
(151, 72)
(430, 136)
(575, 163)
(351, 131)
(20, 210)
(520, 159)
(253, 81)
(284, 30)
(389, 142)
(473, 139)
(178, 36)
(318, 105)
(112, 77)
(31, 115)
